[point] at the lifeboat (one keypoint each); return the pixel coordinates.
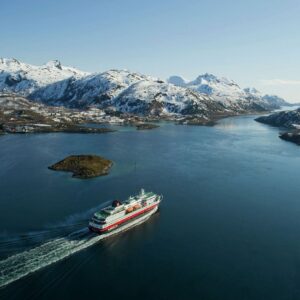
(137, 206)
(129, 209)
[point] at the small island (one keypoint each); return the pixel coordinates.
(143, 126)
(84, 166)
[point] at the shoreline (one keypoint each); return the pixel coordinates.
(15, 128)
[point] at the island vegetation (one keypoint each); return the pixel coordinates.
(84, 166)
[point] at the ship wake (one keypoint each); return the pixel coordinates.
(54, 250)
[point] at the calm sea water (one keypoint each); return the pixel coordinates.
(228, 228)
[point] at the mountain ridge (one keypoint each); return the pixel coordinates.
(23, 78)
(130, 92)
(225, 90)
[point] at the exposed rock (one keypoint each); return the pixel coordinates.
(78, 129)
(288, 119)
(84, 166)
(143, 126)
(195, 121)
(292, 136)
(19, 115)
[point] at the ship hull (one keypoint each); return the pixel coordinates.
(125, 221)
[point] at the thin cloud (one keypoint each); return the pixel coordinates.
(280, 82)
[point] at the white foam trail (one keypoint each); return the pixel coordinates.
(59, 229)
(24, 263)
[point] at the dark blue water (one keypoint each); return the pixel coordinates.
(229, 226)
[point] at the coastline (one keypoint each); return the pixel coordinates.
(138, 122)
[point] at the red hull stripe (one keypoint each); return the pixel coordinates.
(126, 219)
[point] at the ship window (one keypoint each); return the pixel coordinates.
(99, 221)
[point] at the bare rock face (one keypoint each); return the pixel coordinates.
(84, 166)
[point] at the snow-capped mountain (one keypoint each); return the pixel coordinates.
(177, 80)
(226, 91)
(275, 100)
(222, 89)
(158, 97)
(136, 93)
(122, 90)
(127, 91)
(92, 89)
(22, 78)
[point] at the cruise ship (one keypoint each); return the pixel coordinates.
(120, 214)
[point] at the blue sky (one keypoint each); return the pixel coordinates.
(256, 43)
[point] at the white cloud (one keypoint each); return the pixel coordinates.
(280, 82)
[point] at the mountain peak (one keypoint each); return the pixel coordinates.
(177, 80)
(251, 90)
(54, 64)
(208, 77)
(24, 78)
(9, 61)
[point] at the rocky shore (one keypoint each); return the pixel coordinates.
(291, 136)
(285, 119)
(19, 115)
(199, 121)
(146, 126)
(84, 166)
(47, 128)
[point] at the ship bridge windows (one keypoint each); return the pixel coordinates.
(101, 215)
(99, 221)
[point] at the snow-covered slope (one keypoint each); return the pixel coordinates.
(93, 89)
(222, 89)
(226, 91)
(177, 80)
(127, 92)
(159, 98)
(22, 78)
(132, 92)
(275, 100)
(14, 101)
